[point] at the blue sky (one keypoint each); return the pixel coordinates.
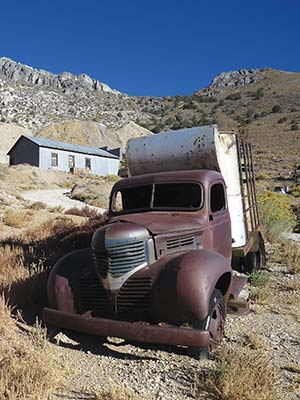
(153, 47)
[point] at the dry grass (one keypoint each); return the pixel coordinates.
(38, 205)
(86, 212)
(16, 219)
(116, 393)
(257, 342)
(27, 368)
(11, 266)
(245, 374)
(291, 257)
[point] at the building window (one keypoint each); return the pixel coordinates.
(54, 159)
(71, 161)
(88, 163)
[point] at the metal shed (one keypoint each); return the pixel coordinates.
(61, 156)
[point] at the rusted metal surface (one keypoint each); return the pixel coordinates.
(238, 282)
(160, 267)
(238, 302)
(133, 331)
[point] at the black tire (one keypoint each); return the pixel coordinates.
(251, 263)
(214, 323)
(255, 261)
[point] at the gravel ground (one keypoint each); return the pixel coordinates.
(56, 198)
(166, 373)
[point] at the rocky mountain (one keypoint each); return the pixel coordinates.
(69, 83)
(262, 104)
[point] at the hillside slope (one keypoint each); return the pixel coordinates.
(262, 104)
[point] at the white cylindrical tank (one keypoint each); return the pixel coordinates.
(202, 147)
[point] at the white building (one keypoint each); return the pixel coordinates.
(60, 156)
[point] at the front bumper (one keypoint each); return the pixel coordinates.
(132, 331)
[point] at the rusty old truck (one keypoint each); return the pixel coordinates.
(161, 270)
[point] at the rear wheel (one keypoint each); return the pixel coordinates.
(255, 261)
(214, 323)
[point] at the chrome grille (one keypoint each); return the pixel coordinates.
(92, 295)
(101, 263)
(124, 258)
(134, 295)
(180, 242)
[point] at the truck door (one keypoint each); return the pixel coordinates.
(219, 220)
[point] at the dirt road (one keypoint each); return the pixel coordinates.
(56, 198)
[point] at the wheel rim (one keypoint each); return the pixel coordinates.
(216, 326)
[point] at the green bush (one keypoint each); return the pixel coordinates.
(258, 94)
(282, 120)
(233, 96)
(276, 109)
(295, 191)
(276, 214)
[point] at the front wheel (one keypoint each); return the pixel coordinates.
(214, 323)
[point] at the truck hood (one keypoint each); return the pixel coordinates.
(158, 223)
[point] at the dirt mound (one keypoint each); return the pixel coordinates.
(128, 131)
(9, 134)
(78, 132)
(93, 134)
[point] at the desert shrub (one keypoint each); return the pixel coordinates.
(263, 176)
(234, 96)
(258, 94)
(259, 278)
(15, 218)
(112, 178)
(295, 191)
(86, 211)
(116, 393)
(294, 126)
(282, 120)
(56, 209)
(263, 294)
(38, 205)
(68, 184)
(243, 373)
(276, 214)
(276, 109)
(291, 256)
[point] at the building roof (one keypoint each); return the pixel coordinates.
(68, 147)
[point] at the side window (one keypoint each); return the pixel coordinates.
(71, 161)
(88, 163)
(54, 159)
(217, 198)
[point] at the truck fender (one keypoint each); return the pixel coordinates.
(65, 271)
(185, 285)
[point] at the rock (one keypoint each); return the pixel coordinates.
(70, 83)
(233, 79)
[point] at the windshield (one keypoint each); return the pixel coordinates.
(160, 196)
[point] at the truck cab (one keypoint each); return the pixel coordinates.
(160, 270)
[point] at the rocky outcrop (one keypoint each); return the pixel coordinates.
(233, 79)
(65, 81)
